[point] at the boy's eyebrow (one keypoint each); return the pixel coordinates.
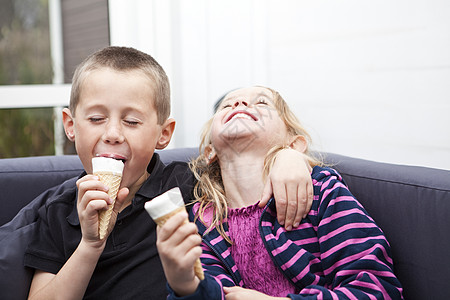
(95, 106)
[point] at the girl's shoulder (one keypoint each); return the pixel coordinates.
(321, 174)
(206, 216)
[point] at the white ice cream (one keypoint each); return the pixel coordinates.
(164, 203)
(106, 164)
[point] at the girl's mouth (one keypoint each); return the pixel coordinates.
(241, 114)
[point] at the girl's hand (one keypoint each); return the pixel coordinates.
(239, 293)
(291, 185)
(178, 244)
(92, 198)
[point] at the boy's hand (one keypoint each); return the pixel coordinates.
(291, 185)
(93, 197)
(178, 245)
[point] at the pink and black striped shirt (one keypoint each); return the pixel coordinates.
(337, 252)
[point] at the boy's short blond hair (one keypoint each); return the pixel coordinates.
(125, 59)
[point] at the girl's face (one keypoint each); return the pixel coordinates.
(246, 118)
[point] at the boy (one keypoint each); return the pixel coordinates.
(119, 108)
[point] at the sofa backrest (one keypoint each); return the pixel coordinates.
(23, 179)
(410, 204)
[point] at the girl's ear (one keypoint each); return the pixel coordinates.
(299, 143)
(166, 134)
(68, 122)
(210, 154)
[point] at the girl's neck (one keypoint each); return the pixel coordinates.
(242, 178)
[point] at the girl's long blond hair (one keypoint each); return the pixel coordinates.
(209, 190)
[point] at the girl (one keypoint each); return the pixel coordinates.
(336, 252)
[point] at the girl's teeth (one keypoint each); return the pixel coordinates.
(241, 115)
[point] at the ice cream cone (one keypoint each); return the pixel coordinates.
(163, 207)
(110, 173)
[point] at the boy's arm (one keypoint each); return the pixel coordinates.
(73, 278)
(291, 185)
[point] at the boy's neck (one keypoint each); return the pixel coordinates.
(133, 190)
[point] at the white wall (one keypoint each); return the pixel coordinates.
(370, 79)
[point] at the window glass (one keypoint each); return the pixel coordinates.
(25, 59)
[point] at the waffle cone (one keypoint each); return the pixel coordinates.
(104, 216)
(198, 270)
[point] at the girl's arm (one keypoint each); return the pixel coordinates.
(290, 183)
(179, 246)
(354, 253)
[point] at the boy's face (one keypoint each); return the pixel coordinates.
(116, 118)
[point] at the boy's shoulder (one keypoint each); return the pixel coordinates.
(177, 166)
(64, 192)
(174, 174)
(178, 173)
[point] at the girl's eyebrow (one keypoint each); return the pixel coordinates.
(260, 94)
(263, 93)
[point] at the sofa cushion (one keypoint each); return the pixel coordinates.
(14, 238)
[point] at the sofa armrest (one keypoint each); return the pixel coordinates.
(412, 206)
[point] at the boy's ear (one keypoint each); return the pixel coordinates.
(166, 133)
(68, 122)
(299, 143)
(210, 154)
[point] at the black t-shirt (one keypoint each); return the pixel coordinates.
(129, 267)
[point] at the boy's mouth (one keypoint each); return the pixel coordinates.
(113, 156)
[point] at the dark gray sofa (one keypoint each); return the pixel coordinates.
(410, 204)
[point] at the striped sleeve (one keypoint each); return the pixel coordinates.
(214, 267)
(217, 274)
(211, 287)
(354, 253)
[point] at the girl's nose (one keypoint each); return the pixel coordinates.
(240, 102)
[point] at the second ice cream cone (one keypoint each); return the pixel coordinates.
(198, 269)
(165, 206)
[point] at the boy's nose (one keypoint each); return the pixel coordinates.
(240, 102)
(113, 134)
